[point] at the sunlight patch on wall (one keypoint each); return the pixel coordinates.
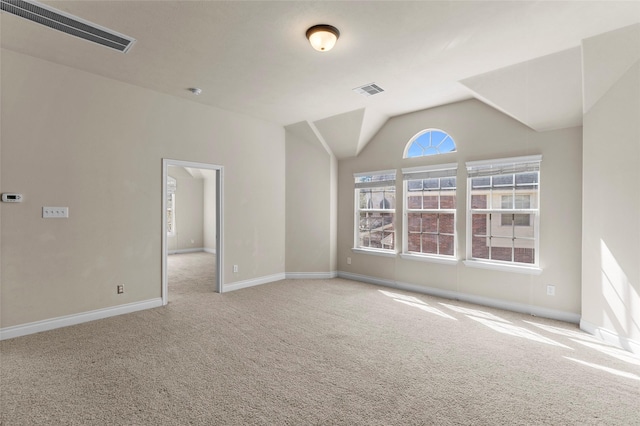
(622, 298)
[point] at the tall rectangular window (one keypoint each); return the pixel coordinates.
(430, 211)
(375, 201)
(503, 210)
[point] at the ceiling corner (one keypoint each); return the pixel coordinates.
(342, 132)
(544, 93)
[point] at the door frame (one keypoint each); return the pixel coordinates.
(166, 162)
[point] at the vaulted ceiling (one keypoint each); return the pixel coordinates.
(522, 57)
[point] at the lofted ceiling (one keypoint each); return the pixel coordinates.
(522, 57)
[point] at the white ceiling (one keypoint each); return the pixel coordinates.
(522, 57)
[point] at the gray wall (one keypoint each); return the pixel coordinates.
(70, 138)
(481, 133)
(309, 203)
(611, 183)
(189, 212)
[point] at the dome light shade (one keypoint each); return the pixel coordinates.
(323, 37)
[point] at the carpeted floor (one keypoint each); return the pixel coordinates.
(314, 352)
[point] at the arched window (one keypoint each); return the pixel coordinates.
(429, 142)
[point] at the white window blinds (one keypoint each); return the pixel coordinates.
(375, 179)
(440, 171)
(504, 166)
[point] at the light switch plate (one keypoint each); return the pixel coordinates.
(55, 212)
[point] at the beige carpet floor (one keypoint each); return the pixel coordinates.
(314, 352)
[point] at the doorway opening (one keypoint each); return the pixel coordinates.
(211, 239)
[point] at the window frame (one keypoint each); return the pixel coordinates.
(502, 167)
(429, 172)
(407, 148)
(385, 183)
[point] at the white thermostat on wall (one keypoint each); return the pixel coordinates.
(11, 198)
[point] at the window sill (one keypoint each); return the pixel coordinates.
(529, 270)
(427, 258)
(383, 253)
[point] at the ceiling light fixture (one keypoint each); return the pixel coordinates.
(323, 37)
(195, 90)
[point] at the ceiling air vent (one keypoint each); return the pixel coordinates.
(58, 20)
(368, 89)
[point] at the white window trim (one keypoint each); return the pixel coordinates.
(503, 266)
(405, 154)
(442, 259)
(427, 257)
(532, 269)
(356, 214)
(375, 252)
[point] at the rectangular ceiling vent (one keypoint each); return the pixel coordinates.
(61, 21)
(368, 89)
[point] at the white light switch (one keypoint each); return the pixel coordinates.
(55, 212)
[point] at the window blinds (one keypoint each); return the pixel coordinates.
(375, 179)
(442, 170)
(504, 166)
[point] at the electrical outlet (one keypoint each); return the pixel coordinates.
(348, 261)
(235, 268)
(120, 289)
(551, 290)
(55, 212)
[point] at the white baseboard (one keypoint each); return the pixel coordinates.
(67, 320)
(192, 250)
(188, 250)
(278, 277)
(253, 282)
(470, 298)
(53, 323)
(311, 275)
(611, 337)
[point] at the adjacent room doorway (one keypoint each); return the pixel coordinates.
(167, 199)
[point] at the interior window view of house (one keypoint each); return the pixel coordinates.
(319, 213)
